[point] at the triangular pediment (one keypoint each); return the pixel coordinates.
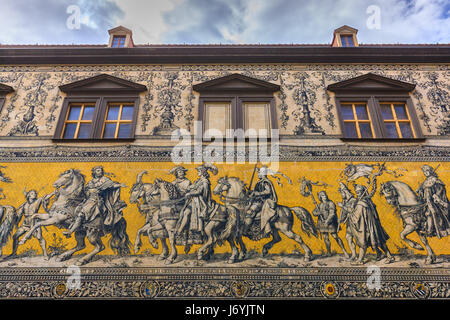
(237, 83)
(103, 83)
(4, 89)
(346, 29)
(371, 82)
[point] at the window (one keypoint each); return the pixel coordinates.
(99, 108)
(256, 116)
(118, 41)
(118, 122)
(237, 102)
(4, 90)
(397, 121)
(347, 40)
(357, 122)
(375, 107)
(78, 124)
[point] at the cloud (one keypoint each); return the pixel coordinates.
(44, 21)
(226, 21)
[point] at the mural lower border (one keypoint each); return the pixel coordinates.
(224, 283)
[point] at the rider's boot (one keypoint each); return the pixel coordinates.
(73, 227)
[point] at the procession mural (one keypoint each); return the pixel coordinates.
(304, 105)
(324, 214)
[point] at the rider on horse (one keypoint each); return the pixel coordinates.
(433, 194)
(102, 207)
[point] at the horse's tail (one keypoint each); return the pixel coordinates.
(230, 225)
(120, 242)
(9, 219)
(307, 222)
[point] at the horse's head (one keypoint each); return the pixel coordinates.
(66, 178)
(137, 190)
(223, 185)
(390, 193)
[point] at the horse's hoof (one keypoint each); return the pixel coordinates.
(162, 257)
(265, 252)
(81, 262)
(307, 258)
(136, 249)
(430, 260)
(242, 256)
(231, 260)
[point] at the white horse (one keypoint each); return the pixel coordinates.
(412, 212)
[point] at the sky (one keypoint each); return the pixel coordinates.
(223, 21)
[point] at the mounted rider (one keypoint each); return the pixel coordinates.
(102, 207)
(264, 201)
(199, 203)
(437, 212)
(181, 181)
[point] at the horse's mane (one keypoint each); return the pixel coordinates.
(239, 181)
(75, 172)
(173, 190)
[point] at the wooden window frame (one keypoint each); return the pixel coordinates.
(2, 102)
(101, 105)
(237, 102)
(345, 35)
(373, 102)
(124, 37)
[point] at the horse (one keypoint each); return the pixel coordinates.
(140, 194)
(167, 196)
(223, 225)
(411, 210)
(69, 195)
(234, 193)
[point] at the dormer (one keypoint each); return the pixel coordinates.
(120, 37)
(345, 36)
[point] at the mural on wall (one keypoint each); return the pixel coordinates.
(304, 104)
(343, 214)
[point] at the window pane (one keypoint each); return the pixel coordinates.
(256, 116)
(365, 130)
(88, 113)
(127, 113)
(386, 112)
(391, 130)
(84, 131)
(69, 131)
(350, 130)
(74, 113)
(361, 112)
(113, 113)
(347, 112)
(124, 130)
(400, 111)
(110, 130)
(218, 116)
(405, 128)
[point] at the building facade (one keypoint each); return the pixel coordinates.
(103, 133)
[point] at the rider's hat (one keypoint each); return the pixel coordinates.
(177, 168)
(208, 167)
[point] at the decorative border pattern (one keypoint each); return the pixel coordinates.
(134, 153)
(225, 283)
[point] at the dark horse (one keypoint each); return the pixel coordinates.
(233, 192)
